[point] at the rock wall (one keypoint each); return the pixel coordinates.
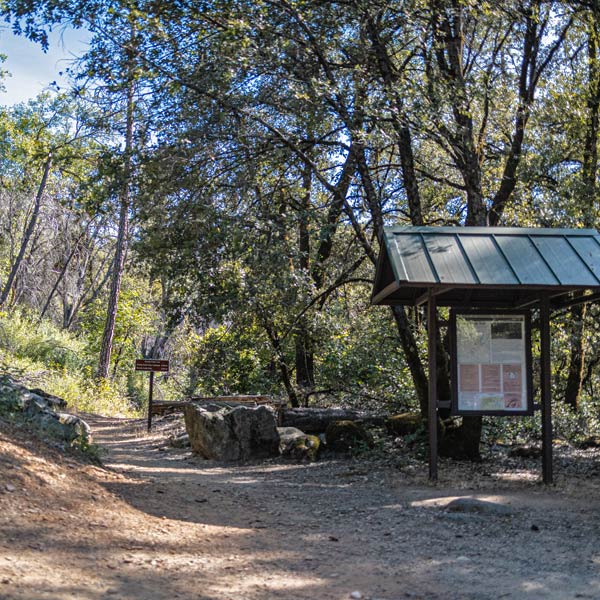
(43, 412)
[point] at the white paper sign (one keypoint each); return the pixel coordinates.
(491, 363)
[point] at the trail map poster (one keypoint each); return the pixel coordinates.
(491, 359)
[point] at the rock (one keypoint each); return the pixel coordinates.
(356, 595)
(53, 401)
(39, 408)
(297, 444)
(472, 505)
(10, 398)
(9, 487)
(403, 424)
(180, 441)
(62, 426)
(34, 405)
(345, 436)
(240, 433)
(525, 452)
(287, 434)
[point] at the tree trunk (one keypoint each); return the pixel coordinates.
(577, 356)
(305, 370)
(121, 248)
(413, 359)
(304, 346)
(589, 192)
(70, 311)
(405, 332)
(28, 231)
(62, 274)
(388, 75)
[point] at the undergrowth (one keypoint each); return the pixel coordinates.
(41, 355)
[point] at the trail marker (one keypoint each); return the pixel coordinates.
(152, 366)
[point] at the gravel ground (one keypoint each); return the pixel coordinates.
(157, 522)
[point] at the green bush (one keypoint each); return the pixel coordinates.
(43, 342)
(42, 355)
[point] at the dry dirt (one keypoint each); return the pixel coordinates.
(163, 524)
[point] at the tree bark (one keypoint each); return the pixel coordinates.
(284, 370)
(405, 332)
(532, 67)
(589, 174)
(70, 311)
(62, 273)
(304, 347)
(577, 356)
(304, 354)
(388, 74)
(28, 231)
(413, 358)
(122, 242)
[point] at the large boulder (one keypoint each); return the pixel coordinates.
(296, 444)
(64, 427)
(232, 434)
(407, 423)
(33, 404)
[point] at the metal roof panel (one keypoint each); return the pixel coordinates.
(588, 250)
(448, 259)
(564, 260)
(520, 231)
(488, 261)
(410, 254)
(526, 261)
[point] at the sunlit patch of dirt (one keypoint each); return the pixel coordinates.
(158, 522)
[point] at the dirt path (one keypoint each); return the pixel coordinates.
(164, 524)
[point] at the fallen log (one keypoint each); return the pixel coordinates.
(164, 407)
(236, 400)
(316, 420)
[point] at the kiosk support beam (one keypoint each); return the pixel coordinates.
(432, 359)
(546, 390)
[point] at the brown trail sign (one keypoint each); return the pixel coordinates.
(152, 366)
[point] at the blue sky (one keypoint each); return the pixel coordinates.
(33, 70)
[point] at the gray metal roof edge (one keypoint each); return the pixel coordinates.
(384, 254)
(403, 285)
(388, 255)
(399, 229)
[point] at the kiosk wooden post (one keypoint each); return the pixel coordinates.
(546, 389)
(152, 366)
(432, 414)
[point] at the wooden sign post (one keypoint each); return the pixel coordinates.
(152, 366)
